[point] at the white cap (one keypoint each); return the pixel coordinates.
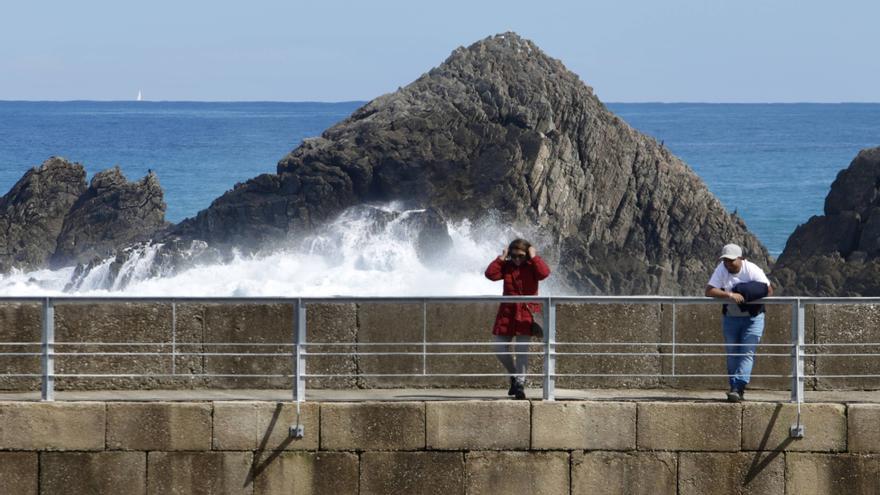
(731, 252)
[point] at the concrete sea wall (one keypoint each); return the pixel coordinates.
(198, 328)
(462, 447)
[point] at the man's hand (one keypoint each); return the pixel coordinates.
(532, 252)
(737, 298)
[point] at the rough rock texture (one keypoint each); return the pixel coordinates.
(501, 127)
(112, 214)
(32, 213)
(838, 254)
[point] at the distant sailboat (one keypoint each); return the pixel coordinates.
(140, 96)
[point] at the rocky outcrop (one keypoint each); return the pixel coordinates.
(32, 213)
(110, 215)
(501, 127)
(838, 253)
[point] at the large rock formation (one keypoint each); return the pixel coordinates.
(501, 127)
(32, 213)
(111, 214)
(838, 254)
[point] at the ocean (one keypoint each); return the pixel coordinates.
(771, 163)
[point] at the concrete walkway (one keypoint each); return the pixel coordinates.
(360, 395)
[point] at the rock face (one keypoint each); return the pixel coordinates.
(32, 213)
(111, 214)
(838, 254)
(501, 127)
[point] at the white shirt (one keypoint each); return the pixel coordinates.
(722, 279)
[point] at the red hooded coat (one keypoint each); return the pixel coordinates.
(515, 318)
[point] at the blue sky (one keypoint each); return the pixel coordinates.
(628, 50)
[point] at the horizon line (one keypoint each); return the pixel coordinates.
(328, 102)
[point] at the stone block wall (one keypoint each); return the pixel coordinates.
(634, 342)
(463, 447)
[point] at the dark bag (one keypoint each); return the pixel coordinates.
(537, 323)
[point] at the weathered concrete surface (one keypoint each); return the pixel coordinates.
(854, 324)
(501, 425)
(689, 426)
(19, 473)
(615, 323)
(701, 324)
(52, 426)
(540, 473)
(19, 323)
(766, 427)
(583, 426)
(332, 324)
(306, 473)
(863, 428)
(731, 473)
(94, 472)
(390, 323)
(819, 474)
(264, 426)
(624, 473)
(158, 426)
(412, 472)
(199, 473)
(373, 426)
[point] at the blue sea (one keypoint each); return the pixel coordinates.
(771, 163)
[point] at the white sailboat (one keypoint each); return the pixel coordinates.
(140, 96)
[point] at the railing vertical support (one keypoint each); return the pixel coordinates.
(673, 336)
(797, 364)
(550, 350)
(299, 335)
(424, 337)
(47, 391)
(173, 337)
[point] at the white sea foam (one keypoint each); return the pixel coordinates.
(353, 256)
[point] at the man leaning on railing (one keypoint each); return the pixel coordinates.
(741, 281)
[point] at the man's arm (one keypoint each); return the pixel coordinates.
(722, 294)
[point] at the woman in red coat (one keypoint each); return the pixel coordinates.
(521, 268)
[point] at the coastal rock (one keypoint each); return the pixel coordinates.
(502, 129)
(32, 213)
(109, 216)
(838, 253)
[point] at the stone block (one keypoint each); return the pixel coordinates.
(412, 473)
(307, 473)
(52, 425)
(623, 324)
(535, 473)
(94, 472)
(624, 473)
(689, 426)
(373, 426)
(819, 474)
(264, 426)
(731, 473)
(477, 425)
(854, 324)
(19, 473)
(196, 473)
(863, 428)
(765, 426)
(20, 323)
(158, 426)
(584, 425)
(701, 324)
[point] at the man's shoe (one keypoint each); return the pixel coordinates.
(519, 392)
(734, 396)
(512, 389)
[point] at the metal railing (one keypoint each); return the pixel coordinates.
(299, 350)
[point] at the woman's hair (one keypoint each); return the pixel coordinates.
(520, 244)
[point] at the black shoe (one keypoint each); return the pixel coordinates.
(734, 395)
(512, 389)
(519, 392)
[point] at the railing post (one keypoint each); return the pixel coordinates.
(48, 349)
(424, 336)
(550, 350)
(299, 335)
(797, 364)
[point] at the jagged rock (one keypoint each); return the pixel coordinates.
(838, 254)
(501, 127)
(109, 216)
(32, 213)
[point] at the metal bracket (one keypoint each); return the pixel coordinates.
(796, 431)
(296, 431)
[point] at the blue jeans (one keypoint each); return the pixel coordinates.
(741, 336)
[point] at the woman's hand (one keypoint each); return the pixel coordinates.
(503, 256)
(532, 252)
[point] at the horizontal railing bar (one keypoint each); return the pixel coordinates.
(167, 375)
(419, 299)
(16, 354)
(859, 344)
(837, 354)
(663, 354)
(842, 376)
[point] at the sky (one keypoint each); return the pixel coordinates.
(330, 50)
